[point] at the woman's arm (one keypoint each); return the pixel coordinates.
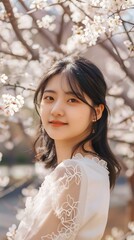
(54, 212)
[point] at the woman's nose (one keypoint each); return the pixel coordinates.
(57, 109)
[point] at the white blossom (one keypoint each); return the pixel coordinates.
(114, 23)
(6, 34)
(112, 5)
(12, 104)
(77, 15)
(129, 45)
(92, 30)
(3, 78)
(39, 4)
(73, 45)
(77, 30)
(24, 22)
(95, 2)
(17, 48)
(46, 22)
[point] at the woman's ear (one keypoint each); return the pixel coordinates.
(99, 110)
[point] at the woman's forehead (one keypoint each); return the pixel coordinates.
(59, 81)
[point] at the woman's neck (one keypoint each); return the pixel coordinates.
(64, 150)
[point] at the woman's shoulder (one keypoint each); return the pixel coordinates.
(68, 168)
(86, 161)
(90, 167)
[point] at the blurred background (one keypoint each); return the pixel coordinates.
(33, 35)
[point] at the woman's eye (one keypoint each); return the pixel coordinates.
(48, 98)
(72, 100)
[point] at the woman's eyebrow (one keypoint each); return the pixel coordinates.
(69, 93)
(49, 91)
(52, 91)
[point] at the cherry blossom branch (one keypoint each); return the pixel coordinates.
(120, 141)
(59, 35)
(9, 52)
(43, 34)
(127, 22)
(126, 99)
(19, 86)
(128, 35)
(117, 52)
(120, 129)
(12, 54)
(127, 118)
(8, 8)
(116, 57)
(81, 10)
(124, 120)
(124, 32)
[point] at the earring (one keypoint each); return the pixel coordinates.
(93, 130)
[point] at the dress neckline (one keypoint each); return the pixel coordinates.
(96, 159)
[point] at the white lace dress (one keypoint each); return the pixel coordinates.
(71, 204)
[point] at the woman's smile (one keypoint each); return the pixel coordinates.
(56, 123)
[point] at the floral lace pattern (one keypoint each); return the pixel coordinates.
(66, 212)
(68, 225)
(101, 162)
(72, 173)
(62, 187)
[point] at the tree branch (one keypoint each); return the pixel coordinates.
(14, 55)
(18, 86)
(43, 34)
(59, 35)
(129, 37)
(82, 10)
(120, 141)
(117, 58)
(8, 8)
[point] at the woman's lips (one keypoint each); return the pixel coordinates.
(57, 123)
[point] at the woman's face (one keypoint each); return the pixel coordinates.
(63, 115)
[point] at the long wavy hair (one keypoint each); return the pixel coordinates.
(83, 77)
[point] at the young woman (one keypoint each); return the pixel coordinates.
(73, 201)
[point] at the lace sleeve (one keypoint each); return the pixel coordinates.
(54, 213)
(65, 202)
